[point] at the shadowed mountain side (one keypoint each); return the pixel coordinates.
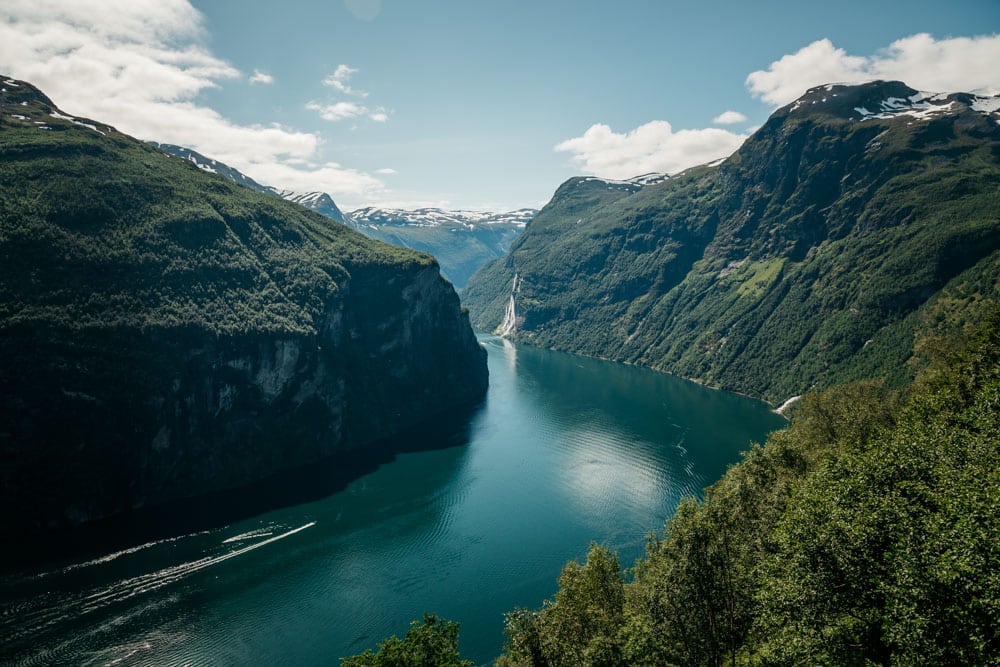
(167, 334)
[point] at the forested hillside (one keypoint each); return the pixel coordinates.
(166, 333)
(855, 218)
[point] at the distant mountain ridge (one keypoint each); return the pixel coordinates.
(854, 221)
(432, 217)
(462, 241)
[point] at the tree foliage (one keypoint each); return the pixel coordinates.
(866, 533)
(430, 643)
(581, 625)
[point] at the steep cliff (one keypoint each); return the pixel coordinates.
(166, 333)
(851, 221)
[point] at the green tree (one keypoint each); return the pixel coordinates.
(890, 554)
(580, 628)
(431, 643)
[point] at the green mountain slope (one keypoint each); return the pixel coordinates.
(166, 333)
(461, 241)
(853, 220)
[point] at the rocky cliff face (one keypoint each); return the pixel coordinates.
(165, 333)
(851, 221)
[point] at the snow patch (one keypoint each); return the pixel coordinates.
(56, 114)
(651, 178)
(922, 106)
(986, 105)
(373, 217)
(201, 165)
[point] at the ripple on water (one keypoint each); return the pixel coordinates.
(80, 617)
(564, 451)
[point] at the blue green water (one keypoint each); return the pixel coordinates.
(566, 450)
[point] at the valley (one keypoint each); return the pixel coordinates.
(743, 412)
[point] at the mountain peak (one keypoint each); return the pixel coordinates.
(629, 185)
(887, 100)
(375, 217)
(13, 91)
(320, 202)
(21, 102)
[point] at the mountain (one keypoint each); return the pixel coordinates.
(317, 201)
(213, 166)
(167, 334)
(854, 221)
(462, 241)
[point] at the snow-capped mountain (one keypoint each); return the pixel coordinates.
(317, 201)
(887, 100)
(436, 217)
(651, 178)
(462, 241)
(629, 185)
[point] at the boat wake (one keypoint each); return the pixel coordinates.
(33, 614)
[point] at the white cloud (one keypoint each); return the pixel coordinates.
(653, 147)
(139, 65)
(344, 110)
(339, 80)
(343, 72)
(385, 171)
(729, 118)
(337, 111)
(341, 183)
(261, 77)
(921, 61)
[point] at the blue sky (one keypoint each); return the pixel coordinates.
(472, 103)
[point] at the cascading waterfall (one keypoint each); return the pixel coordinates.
(509, 324)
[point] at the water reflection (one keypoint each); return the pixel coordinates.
(477, 521)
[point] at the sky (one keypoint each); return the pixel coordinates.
(473, 104)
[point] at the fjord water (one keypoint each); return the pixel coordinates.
(565, 450)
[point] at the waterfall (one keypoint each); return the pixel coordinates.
(509, 324)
